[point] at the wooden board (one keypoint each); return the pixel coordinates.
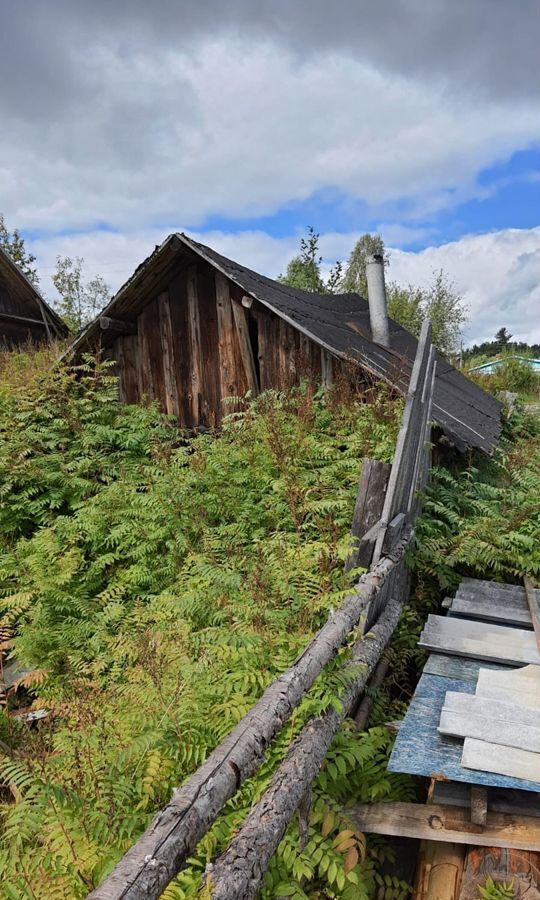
(490, 586)
(167, 350)
(367, 511)
(453, 793)
(480, 640)
(194, 332)
(496, 731)
(500, 711)
(462, 668)
(514, 613)
(515, 686)
(509, 761)
(240, 316)
(444, 823)
(497, 596)
(420, 749)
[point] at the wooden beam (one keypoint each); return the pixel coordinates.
(194, 331)
(117, 326)
(228, 373)
(172, 405)
(446, 823)
(456, 793)
(479, 804)
(367, 511)
(22, 320)
(439, 871)
(327, 369)
(246, 350)
(394, 531)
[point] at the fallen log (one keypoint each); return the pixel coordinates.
(164, 848)
(240, 870)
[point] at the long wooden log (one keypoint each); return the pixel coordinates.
(162, 851)
(240, 870)
(118, 326)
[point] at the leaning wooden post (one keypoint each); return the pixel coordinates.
(367, 511)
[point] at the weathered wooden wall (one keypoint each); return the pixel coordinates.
(20, 319)
(197, 344)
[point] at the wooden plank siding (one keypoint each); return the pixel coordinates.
(196, 345)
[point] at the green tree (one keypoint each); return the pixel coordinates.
(503, 337)
(355, 272)
(80, 301)
(440, 302)
(406, 306)
(445, 308)
(304, 270)
(13, 244)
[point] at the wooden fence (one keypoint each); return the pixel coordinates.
(386, 507)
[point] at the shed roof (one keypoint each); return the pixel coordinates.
(21, 304)
(340, 323)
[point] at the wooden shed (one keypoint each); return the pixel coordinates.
(191, 328)
(24, 314)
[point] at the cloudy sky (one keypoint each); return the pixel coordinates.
(244, 121)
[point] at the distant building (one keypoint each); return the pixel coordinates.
(490, 367)
(24, 314)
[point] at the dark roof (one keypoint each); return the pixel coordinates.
(22, 308)
(340, 323)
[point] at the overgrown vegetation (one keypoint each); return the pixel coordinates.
(155, 586)
(514, 375)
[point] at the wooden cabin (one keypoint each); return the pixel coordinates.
(191, 328)
(24, 314)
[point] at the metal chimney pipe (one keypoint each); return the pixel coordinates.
(377, 299)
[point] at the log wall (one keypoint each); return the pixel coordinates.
(197, 344)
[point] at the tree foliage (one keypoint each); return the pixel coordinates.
(502, 343)
(355, 279)
(13, 244)
(503, 337)
(440, 302)
(304, 271)
(483, 520)
(80, 301)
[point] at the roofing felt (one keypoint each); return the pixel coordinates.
(340, 323)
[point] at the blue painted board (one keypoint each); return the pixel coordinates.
(420, 749)
(461, 667)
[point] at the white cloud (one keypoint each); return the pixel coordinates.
(498, 274)
(240, 127)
